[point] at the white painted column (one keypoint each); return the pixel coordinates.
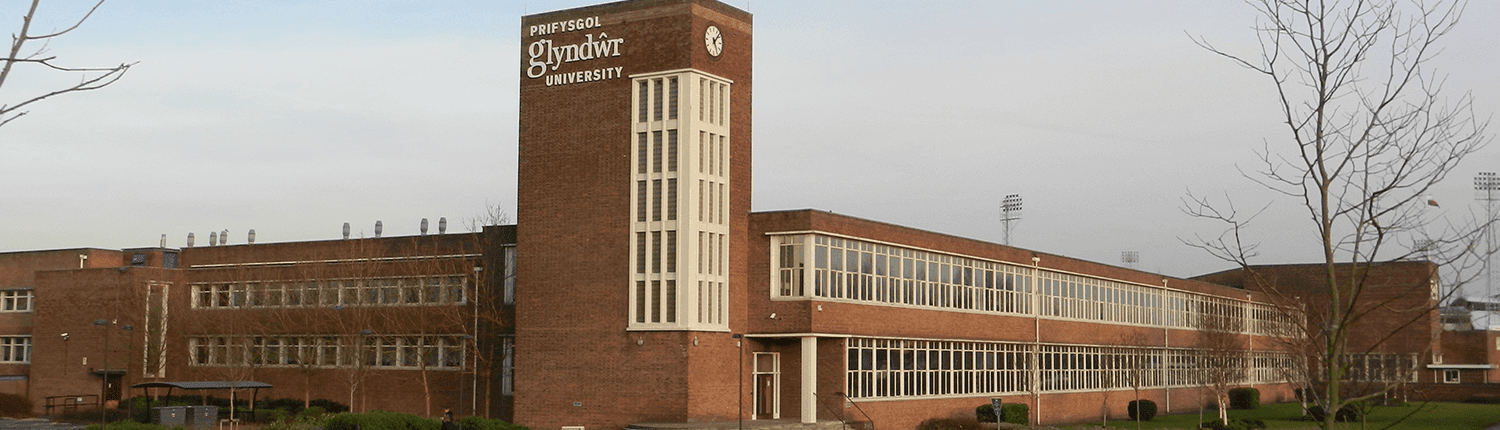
(809, 380)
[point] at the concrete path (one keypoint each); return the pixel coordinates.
(36, 424)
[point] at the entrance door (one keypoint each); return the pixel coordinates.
(112, 389)
(767, 379)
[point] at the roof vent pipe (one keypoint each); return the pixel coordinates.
(190, 239)
(163, 240)
(424, 226)
(378, 228)
(442, 224)
(224, 237)
(251, 238)
(213, 238)
(346, 231)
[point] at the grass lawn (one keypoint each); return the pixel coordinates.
(1445, 416)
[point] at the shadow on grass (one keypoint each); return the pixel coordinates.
(1435, 416)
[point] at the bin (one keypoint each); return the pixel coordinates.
(169, 416)
(202, 417)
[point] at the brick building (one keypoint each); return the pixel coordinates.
(1399, 303)
(639, 287)
(379, 323)
(1402, 337)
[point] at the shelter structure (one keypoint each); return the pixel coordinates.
(254, 386)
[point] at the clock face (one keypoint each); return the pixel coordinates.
(713, 40)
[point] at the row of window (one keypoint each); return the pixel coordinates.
(15, 349)
(656, 99)
(656, 294)
(890, 368)
(1381, 367)
(853, 270)
(713, 154)
(402, 291)
(656, 89)
(441, 352)
(715, 96)
(663, 294)
(1079, 297)
(15, 300)
(652, 158)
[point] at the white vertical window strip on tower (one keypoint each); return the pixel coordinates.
(679, 201)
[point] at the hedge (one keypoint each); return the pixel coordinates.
(1015, 413)
(1244, 398)
(985, 413)
(1145, 409)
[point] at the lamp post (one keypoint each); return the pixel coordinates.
(104, 371)
(474, 387)
(474, 364)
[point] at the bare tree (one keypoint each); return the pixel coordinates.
(91, 78)
(1369, 134)
(492, 215)
(1222, 356)
(441, 325)
(1109, 365)
(1137, 369)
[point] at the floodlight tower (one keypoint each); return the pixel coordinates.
(1129, 258)
(1010, 210)
(1487, 190)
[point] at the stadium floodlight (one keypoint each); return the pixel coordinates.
(1010, 210)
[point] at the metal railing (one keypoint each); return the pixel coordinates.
(857, 408)
(70, 403)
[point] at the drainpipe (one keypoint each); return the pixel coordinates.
(1166, 342)
(1036, 346)
(1251, 334)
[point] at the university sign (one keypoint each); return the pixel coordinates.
(547, 56)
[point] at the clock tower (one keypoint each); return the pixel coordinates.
(634, 193)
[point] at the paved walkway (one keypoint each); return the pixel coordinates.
(36, 424)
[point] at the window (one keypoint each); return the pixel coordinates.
(1450, 376)
(507, 365)
(656, 152)
(403, 291)
(16, 300)
(645, 88)
(860, 271)
(15, 349)
(672, 98)
(434, 352)
(641, 150)
(907, 368)
(510, 275)
(154, 327)
(656, 101)
(456, 289)
(671, 150)
(672, 199)
(662, 295)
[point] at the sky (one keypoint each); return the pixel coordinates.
(294, 117)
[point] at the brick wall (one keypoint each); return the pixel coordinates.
(576, 363)
(874, 320)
